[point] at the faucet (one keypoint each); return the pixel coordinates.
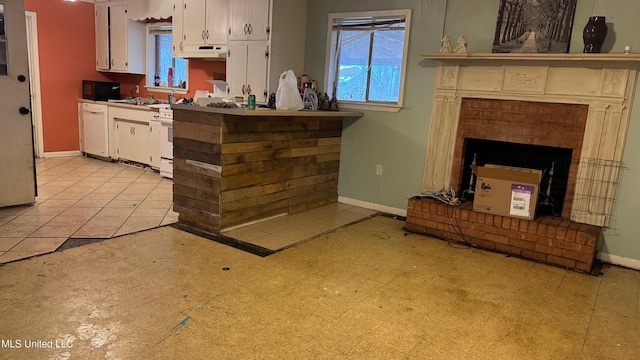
(151, 100)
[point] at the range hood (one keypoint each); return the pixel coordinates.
(213, 52)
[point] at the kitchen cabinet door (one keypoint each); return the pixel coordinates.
(177, 28)
(102, 37)
(237, 70)
(132, 141)
(257, 65)
(194, 25)
(118, 31)
(217, 22)
(249, 20)
(247, 70)
(258, 18)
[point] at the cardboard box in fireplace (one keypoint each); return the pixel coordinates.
(507, 191)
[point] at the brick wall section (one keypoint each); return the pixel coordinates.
(547, 239)
(524, 122)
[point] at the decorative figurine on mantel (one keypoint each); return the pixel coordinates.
(446, 46)
(461, 47)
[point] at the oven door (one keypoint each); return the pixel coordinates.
(166, 138)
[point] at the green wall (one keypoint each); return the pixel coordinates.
(398, 140)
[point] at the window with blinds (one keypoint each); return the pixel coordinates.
(160, 59)
(367, 57)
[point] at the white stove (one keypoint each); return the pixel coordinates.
(166, 143)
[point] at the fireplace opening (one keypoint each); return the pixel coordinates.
(550, 160)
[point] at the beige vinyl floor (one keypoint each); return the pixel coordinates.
(365, 291)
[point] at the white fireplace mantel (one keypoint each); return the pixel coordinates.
(533, 57)
(604, 82)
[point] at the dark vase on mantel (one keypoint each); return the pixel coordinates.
(594, 34)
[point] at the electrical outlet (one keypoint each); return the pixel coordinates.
(137, 89)
(378, 169)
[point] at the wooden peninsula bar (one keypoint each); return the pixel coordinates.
(233, 166)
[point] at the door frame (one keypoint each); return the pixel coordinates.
(34, 82)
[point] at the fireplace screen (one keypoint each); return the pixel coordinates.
(554, 162)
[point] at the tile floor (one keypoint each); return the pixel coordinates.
(367, 291)
(85, 198)
(284, 231)
(81, 197)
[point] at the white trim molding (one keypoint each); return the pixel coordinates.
(372, 206)
(54, 154)
(619, 260)
(34, 81)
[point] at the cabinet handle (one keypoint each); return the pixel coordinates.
(181, 45)
(248, 89)
(202, 34)
(243, 87)
(207, 34)
(250, 29)
(246, 28)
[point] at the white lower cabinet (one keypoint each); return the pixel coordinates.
(137, 135)
(132, 141)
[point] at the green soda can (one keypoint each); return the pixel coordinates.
(251, 103)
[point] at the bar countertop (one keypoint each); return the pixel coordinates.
(266, 112)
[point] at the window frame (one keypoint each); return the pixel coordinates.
(330, 73)
(150, 68)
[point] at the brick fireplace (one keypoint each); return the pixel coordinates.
(576, 102)
(522, 122)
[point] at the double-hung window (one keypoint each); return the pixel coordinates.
(366, 58)
(160, 59)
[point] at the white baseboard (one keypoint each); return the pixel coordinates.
(372, 206)
(53, 154)
(619, 260)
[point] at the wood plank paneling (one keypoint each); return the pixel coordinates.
(264, 166)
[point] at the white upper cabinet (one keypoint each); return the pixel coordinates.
(247, 68)
(254, 67)
(249, 20)
(102, 38)
(217, 22)
(120, 42)
(177, 28)
(194, 22)
(118, 30)
(201, 25)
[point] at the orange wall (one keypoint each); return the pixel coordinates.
(66, 45)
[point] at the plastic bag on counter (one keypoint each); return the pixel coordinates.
(288, 96)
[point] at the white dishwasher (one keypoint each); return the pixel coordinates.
(95, 129)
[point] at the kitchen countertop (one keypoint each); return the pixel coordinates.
(122, 105)
(265, 112)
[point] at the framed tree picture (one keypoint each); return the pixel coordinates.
(534, 26)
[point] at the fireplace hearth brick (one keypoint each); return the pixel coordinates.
(545, 239)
